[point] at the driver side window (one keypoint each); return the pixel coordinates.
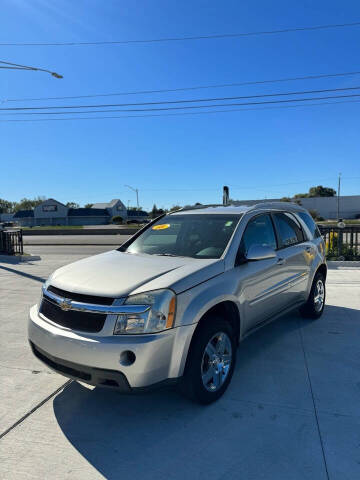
(259, 231)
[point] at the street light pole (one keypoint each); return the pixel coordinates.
(338, 197)
(137, 194)
(16, 66)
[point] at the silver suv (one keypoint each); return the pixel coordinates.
(172, 303)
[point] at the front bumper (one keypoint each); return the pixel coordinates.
(159, 357)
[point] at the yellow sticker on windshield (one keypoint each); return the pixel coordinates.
(161, 227)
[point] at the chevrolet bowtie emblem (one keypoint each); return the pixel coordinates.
(65, 305)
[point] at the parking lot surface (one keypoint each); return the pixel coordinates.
(291, 412)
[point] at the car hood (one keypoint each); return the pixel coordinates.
(117, 274)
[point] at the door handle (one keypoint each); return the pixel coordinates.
(280, 261)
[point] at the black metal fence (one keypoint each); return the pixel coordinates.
(11, 242)
(342, 243)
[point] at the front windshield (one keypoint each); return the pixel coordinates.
(188, 235)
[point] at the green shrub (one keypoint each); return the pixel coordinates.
(117, 219)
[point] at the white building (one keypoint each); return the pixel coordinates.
(325, 207)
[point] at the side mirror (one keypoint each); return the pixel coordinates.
(259, 252)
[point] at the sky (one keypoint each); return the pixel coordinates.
(260, 152)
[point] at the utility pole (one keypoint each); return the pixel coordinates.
(338, 197)
(137, 194)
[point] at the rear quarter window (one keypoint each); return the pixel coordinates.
(310, 224)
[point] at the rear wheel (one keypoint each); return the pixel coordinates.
(314, 306)
(210, 363)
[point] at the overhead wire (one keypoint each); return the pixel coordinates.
(198, 87)
(190, 107)
(214, 99)
(183, 38)
(176, 114)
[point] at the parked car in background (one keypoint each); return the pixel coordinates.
(172, 304)
(7, 224)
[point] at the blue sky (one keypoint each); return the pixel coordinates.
(178, 159)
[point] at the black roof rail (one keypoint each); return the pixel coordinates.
(197, 207)
(281, 205)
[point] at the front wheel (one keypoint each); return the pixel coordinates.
(210, 363)
(314, 306)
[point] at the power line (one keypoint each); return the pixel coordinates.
(184, 38)
(216, 99)
(291, 100)
(178, 114)
(199, 87)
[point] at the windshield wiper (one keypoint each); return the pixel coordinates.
(170, 255)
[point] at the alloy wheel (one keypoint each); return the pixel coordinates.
(319, 295)
(216, 361)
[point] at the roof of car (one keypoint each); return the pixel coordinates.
(241, 209)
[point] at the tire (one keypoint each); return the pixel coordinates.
(214, 337)
(312, 308)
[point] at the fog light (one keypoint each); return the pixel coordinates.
(127, 358)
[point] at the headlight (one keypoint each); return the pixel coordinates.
(44, 287)
(158, 317)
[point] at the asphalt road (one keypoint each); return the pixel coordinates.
(72, 246)
(70, 250)
(75, 239)
(292, 411)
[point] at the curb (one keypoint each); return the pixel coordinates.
(343, 264)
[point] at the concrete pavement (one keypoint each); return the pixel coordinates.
(292, 411)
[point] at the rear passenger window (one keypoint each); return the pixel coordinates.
(309, 222)
(289, 229)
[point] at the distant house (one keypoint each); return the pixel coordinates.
(52, 212)
(114, 208)
(117, 209)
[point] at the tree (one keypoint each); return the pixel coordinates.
(117, 219)
(6, 206)
(72, 205)
(28, 203)
(155, 212)
(318, 191)
(88, 205)
(321, 191)
(285, 199)
(175, 207)
(315, 215)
